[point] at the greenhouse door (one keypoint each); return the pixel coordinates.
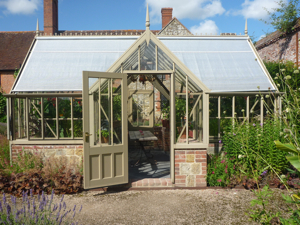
(105, 129)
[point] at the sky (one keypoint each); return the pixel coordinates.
(199, 16)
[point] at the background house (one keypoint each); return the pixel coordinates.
(13, 49)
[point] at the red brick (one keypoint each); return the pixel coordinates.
(200, 176)
(179, 160)
(180, 177)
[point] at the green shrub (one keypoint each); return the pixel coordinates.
(247, 143)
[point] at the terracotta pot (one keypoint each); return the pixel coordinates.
(104, 139)
(190, 133)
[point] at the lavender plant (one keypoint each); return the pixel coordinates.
(36, 211)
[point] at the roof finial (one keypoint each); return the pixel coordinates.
(147, 19)
(246, 28)
(37, 27)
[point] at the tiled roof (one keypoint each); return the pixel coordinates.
(13, 48)
(275, 36)
(104, 32)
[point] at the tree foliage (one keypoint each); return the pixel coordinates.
(285, 16)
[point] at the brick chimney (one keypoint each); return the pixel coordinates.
(50, 16)
(166, 15)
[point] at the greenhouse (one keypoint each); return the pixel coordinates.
(106, 97)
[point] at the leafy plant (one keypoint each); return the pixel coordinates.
(245, 141)
(263, 215)
(285, 16)
(104, 133)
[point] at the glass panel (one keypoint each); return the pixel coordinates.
(240, 106)
(180, 110)
(50, 128)
(254, 107)
(148, 56)
(117, 111)
(78, 128)
(64, 117)
(195, 118)
(77, 117)
(164, 61)
(213, 106)
(20, 118)
(213, 127)
(50, 117)
(35, 127)
(131, 63)
(226, 106)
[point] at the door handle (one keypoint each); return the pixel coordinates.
(87, 136)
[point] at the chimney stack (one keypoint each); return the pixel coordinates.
(166, 15)
(50, 16)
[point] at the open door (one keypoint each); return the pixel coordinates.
(105, 129)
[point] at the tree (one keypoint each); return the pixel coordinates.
(285, 16)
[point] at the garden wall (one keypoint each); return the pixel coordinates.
(190, 167)
(279, 48)
(73, 152)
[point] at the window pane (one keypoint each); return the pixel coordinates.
(195, 118)
(35, 127)
(180, 110)
(117, 111)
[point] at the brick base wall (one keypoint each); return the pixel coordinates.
(190, 167)
(73, 152)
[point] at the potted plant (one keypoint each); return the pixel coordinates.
(104, 136)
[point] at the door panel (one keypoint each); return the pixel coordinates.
(105, 129)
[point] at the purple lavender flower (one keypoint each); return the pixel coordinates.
(264, 173)
(1, 209)
(8, 209)
(220, 141)
(28, 205)
(74, 208)
(57, 216)
(254, 124)
(261, 124)
(4, 199)
(64, 206)
(59, 207)
(39, 197)
(62, 198)
(31, 193)
(80, 208)
(74, 214)
(234, 134)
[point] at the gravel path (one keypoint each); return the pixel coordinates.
(163, 207)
